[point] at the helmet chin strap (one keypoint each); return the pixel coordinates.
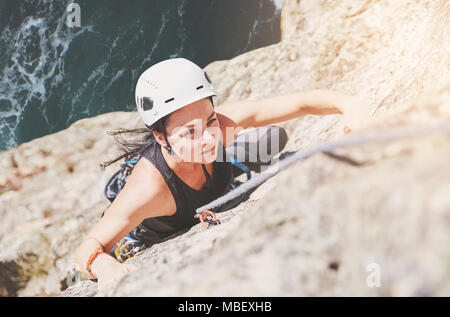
(168, 147)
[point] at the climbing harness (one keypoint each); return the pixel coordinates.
(349, 141)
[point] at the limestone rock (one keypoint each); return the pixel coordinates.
(319, 229)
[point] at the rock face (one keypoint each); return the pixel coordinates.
(376, 215)
(51, 193)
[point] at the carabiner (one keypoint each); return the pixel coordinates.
(208, 218)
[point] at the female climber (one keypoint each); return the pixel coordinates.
(181, 166)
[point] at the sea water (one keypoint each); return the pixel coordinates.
(53, 74)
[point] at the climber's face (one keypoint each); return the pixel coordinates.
(194, 132)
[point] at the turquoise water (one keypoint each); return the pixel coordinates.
(53, 75)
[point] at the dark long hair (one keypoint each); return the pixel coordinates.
(142, 139)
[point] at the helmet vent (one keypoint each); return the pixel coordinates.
(199, 87)
(147, 103)
(169, 100)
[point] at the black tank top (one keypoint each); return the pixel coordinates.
(187, 199)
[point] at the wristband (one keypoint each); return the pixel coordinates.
(91, 259)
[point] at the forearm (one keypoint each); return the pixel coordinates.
(321, 102)
(286, 107)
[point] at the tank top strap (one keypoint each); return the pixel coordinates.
(153, 154)
(208, 178)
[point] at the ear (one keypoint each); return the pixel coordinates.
(159, 138)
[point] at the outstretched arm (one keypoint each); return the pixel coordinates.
(255, 113)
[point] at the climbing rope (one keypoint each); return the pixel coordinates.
(349, 141)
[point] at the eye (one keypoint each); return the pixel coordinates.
(189, 132)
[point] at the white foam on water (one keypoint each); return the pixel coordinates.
(258, 21)
(36, 64)
(164, 23)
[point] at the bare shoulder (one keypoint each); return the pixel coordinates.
(145, 193)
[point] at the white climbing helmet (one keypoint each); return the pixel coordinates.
(168, 86)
